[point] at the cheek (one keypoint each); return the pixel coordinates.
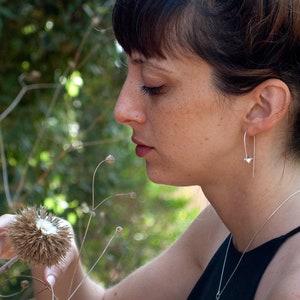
(176, 130)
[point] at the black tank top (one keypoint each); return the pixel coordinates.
(245, 280)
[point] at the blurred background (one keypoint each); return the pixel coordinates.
(61, 71)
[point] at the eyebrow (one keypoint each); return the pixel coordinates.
(140, 61)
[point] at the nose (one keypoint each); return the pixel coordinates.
(129, 109)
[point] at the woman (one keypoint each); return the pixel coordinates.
(212, 96)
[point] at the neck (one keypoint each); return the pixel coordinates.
(270, 202)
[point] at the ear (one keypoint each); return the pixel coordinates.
(268, 105)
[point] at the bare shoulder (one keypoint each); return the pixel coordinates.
(173, 274)
(205, 235)
(282, 277)
(286, 286)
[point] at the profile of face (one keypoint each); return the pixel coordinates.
(186, 89)
(180, 125)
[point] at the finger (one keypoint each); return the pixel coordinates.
(51, 279)
(5, 250)
(5, 220)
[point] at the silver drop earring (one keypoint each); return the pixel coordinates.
(249, 159)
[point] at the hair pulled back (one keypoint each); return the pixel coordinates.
(245, 41)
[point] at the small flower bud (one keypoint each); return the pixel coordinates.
(119, 229)
(95, 21)
(85, 208)
(33, 75)
(24, 284)
(72, 64)
(110, 159)
(132, 195)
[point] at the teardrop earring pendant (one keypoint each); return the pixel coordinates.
(249, 159)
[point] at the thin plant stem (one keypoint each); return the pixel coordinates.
(93, 183)
(38, 139)
(109, 197)
(44, 175)
(4, 268)
(88, 56)
(47, 286)
(21, 94)
(12, 295)
(93, 266)
(93, 208)
(83, 41)
(88, 223)
(4, 171)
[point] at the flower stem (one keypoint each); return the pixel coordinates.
(4, 268)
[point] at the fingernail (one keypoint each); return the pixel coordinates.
(51, 280)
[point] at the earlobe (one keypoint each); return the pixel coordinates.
(269, 105)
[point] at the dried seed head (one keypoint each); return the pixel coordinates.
(132, 195)
(119, 229)
(25, 284)
(96, 21)
(39, 238)
(72, 64)
(110, 159)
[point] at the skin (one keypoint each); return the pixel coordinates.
(194, 136)
(182, 123)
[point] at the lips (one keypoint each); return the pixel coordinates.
(141, 149)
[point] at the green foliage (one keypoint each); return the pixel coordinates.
(60, 76)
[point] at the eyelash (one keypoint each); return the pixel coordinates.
(152, 91)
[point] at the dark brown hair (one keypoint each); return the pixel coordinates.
(245, 41)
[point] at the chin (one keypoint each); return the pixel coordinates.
(158, 177)
(161, 177)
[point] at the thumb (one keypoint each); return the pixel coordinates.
(50, 276)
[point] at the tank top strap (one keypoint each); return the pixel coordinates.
(291, 233)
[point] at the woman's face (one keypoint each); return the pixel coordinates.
(183, 128)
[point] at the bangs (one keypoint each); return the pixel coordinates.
(150, 27)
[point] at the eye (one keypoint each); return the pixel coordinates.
(152, 91)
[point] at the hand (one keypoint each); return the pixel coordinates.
(72, 259)
(50, 273)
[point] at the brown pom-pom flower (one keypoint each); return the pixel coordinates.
(39, 238)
